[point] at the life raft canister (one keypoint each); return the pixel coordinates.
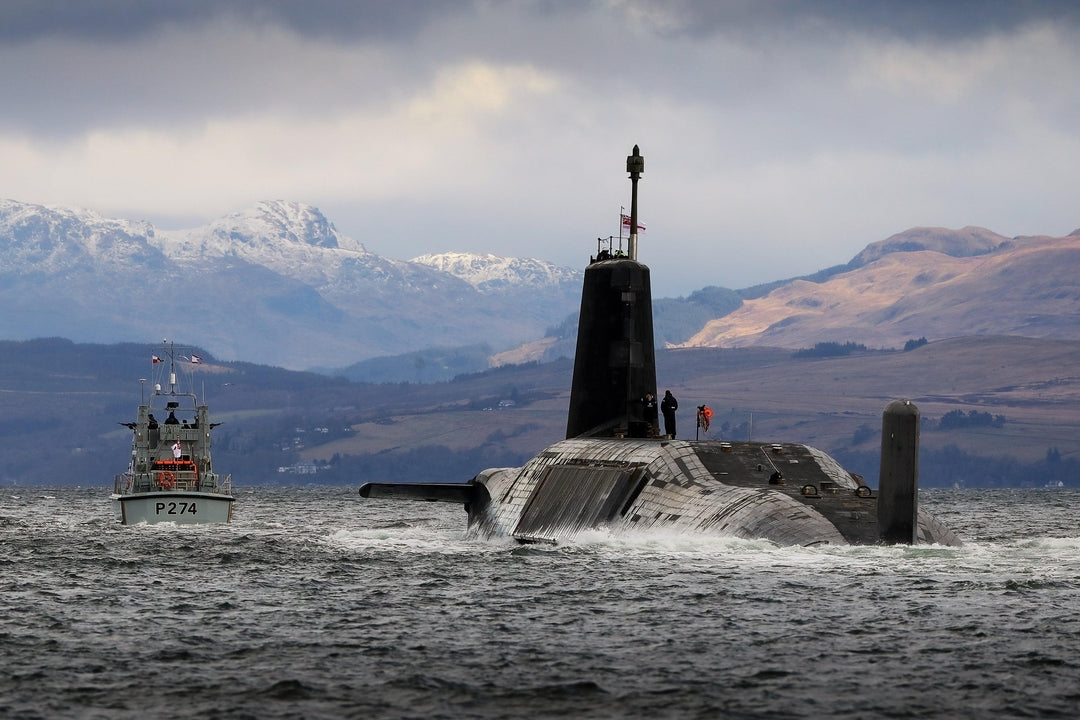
(166, 480)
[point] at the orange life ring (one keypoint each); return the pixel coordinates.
(166, 480)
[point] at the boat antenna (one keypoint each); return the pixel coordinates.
(172, 368)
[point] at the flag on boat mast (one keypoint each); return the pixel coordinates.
(195, 359)
(154, 359)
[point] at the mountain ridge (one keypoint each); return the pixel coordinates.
(276, 282)
(1023, 286)
(279, 283)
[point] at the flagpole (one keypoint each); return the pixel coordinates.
(622, 212)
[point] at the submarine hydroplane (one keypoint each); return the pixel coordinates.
(615, 470)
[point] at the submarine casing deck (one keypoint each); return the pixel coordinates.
(709, 487)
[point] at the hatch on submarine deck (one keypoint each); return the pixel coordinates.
(616, 471)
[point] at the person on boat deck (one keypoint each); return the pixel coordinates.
(177, 450)
(153, 421)
(668, 406)
(171, 420)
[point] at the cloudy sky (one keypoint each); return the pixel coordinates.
(780, 137)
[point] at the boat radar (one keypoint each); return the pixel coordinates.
(616, 471)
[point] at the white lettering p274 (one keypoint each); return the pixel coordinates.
(175, 508)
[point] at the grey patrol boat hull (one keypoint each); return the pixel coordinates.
(184, 508)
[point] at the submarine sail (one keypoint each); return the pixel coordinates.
(615, 360)
(615, 470)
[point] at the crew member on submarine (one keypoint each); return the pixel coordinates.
(648, 407)
(668, 406)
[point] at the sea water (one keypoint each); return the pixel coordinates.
(315, 603)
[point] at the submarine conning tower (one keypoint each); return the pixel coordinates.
(615, 361)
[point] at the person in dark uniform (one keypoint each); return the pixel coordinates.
(668, 406)
(648, 405)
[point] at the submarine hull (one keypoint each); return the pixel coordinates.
(711, 487)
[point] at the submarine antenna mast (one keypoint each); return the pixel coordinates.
(635, 165)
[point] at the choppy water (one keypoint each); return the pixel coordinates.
(315, 603)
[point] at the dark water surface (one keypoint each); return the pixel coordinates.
(315, 603)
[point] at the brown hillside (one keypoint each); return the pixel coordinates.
(1034, 384)
(1028, 287)
(958, 243)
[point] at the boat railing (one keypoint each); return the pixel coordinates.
(122, 483)
(606, 250)
(175, 476)
(170, 479)
(187, 480)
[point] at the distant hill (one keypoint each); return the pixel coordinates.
(926, 282)
(996, 411)
(966, 242)
(922, 283)
(276, 282)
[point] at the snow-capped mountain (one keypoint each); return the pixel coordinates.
(297, 241)
(276, 283)
(269, 233)
(489, 272)
(51, 240)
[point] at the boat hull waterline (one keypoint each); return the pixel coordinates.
(182, 508)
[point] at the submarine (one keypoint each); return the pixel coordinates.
(615, 471)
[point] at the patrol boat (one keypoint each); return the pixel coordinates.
(170, 477)
(616, 472)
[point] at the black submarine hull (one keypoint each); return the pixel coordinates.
(709, 487)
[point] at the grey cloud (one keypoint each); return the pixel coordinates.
(913, 19)
(345, 20)
(103, 20)
(831, 122)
